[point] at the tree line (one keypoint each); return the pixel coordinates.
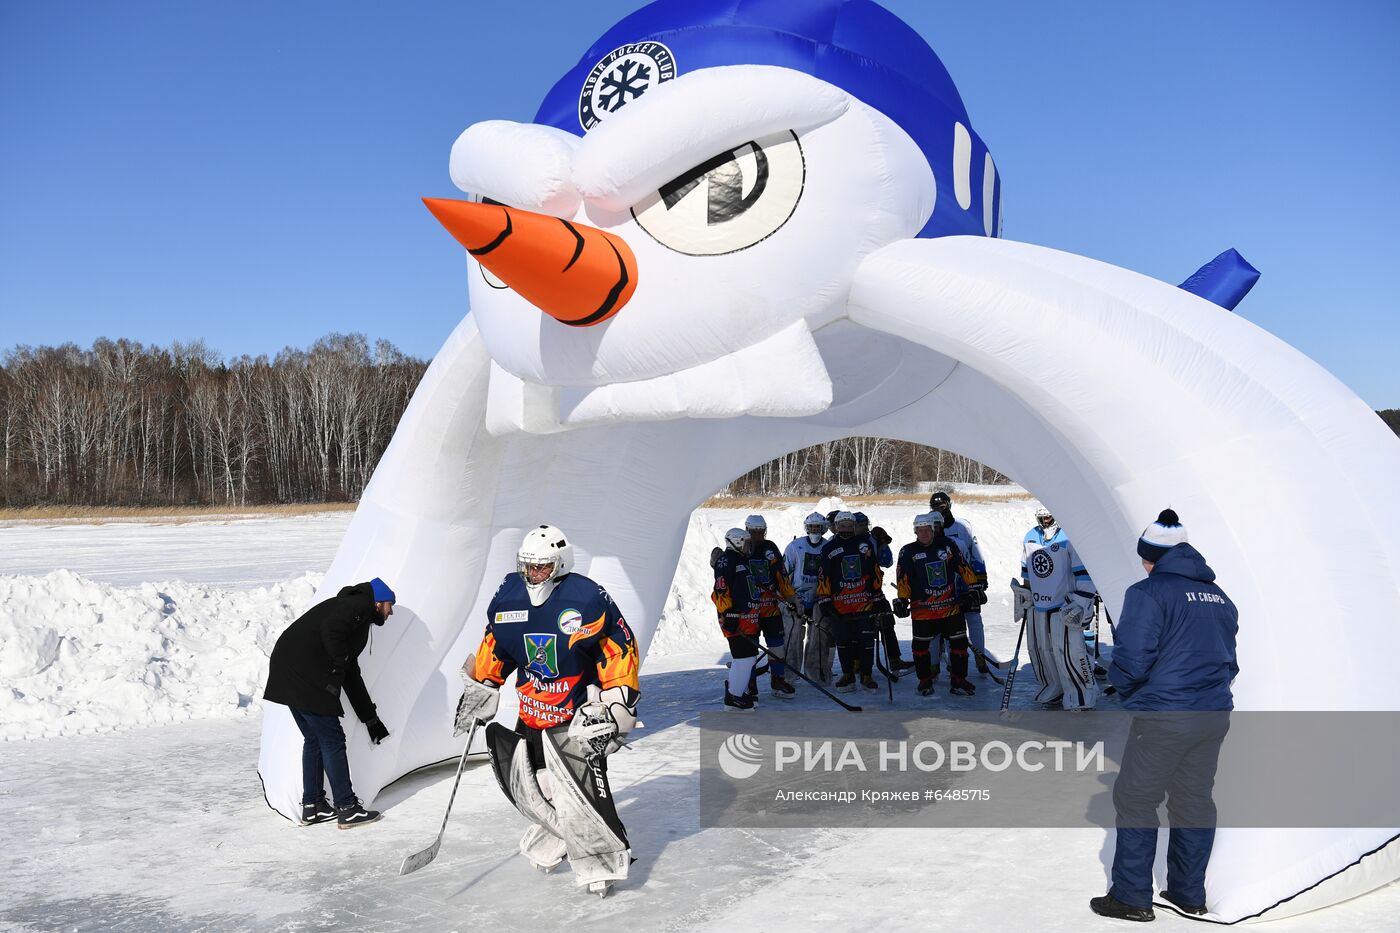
(122, 423)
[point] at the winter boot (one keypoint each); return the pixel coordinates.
(352, 815)
(961, 686)
(781, 689)
(1193, 909)
(1110, 906)
(847, 683)
(741, 702)
(319, 812)
(926, 687)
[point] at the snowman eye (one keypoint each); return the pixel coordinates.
(729, 202)
(489, 277)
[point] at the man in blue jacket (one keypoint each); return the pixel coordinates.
(1173, 661)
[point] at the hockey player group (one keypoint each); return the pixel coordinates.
(822, 600)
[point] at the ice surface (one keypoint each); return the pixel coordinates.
(165, 828)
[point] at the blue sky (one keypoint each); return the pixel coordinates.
(249, 173)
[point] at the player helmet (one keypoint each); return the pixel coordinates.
(738, 539)
(755, 523)
(543, 559)
(844, 524)
(862, 521)
(932, 520)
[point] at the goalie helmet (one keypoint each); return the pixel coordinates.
(543, 559)
(1046, 522)
(815, 525)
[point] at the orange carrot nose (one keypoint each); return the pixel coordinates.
(577, 274)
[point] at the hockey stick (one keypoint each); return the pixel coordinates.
(839, 702)
(889, 678)
(419, 859)
(1015, 663)
(993, 665)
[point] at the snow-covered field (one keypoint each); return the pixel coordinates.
(164, 828)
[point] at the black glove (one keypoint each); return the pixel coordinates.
(377, 731)
(881, 535)
(822, 608)
(730, 624)
(981, 596)
(901, 607)
(970, 602)
(715, 554)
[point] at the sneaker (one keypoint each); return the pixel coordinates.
(741, 702)
(868, 682)
(926, 687)
(319, 812)
(1194, 909)
(352, 815)
(962, 687)
(847, 683)
(781, 689)
(1110, 906)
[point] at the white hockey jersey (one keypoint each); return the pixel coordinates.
(961, 533)
(803, 559)
(1052, 569)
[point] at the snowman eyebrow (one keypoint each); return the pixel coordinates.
(681, 123)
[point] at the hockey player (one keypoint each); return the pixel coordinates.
(848, 595)
(880, 540)
(800, 559)
(1061, 603)
(933, 580)
(961, 532)
(737, 597)
(776, 593)
(575, 664)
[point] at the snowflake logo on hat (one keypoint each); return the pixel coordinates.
(623, 75)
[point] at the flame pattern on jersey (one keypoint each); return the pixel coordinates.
(849, 575)
(773, 582)
(554, 653)
(933, 578)
(736, 593)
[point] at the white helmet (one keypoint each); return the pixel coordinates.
(543, 546)
(844, 518)
(738, 539)
(755, 523)
(928, 520)
(1045, 521)
(815, 525)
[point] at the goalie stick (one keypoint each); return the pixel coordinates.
(419, 859)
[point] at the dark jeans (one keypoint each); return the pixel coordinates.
(323, 752)
(1170, 755)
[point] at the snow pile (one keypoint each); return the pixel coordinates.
(84, 656)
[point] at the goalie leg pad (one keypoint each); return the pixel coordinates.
(510, 763)
(1073, 668)
(794, 637)
(541, 848)
(593, 835)
(1046, 670)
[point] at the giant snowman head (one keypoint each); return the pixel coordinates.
(703, 179)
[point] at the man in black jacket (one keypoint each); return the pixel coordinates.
(313, 660)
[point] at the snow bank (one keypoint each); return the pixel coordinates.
(81, 655)
(84, 656)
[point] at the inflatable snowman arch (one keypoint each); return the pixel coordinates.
(736, 229)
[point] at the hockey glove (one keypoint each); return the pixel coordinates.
(377, 731)
(970, 602)
(1079, 610)
(901, 607)
(1021, 599)
(881, 535)
(600, 724)
(478, 702)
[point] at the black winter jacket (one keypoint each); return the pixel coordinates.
(318, 655)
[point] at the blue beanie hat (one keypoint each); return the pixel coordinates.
(1161, 536)
(856, 45)
(382, 593)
